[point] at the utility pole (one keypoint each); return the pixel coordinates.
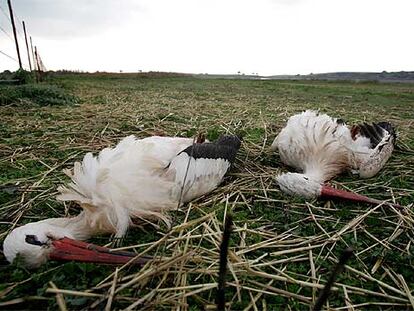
(33, 56)
(14, 32)
(27, 45)
(37, 60)
(34, 61)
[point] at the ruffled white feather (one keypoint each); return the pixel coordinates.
(140, 178)
(320, 147)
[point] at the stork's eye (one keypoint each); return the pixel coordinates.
(306, 178)
(32, 239)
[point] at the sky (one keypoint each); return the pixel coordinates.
(263, 37)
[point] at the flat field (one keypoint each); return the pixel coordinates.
(282, 249)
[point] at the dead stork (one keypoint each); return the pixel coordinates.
(137, 178)
(321, 147)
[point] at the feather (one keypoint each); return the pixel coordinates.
(144, 177)
(323, 147)
(196, 176)
(314, 143)
(200, 168)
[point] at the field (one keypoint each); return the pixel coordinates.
(282, 248)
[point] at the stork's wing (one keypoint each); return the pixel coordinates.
(123, 181)
(382, 139)
(200, 168)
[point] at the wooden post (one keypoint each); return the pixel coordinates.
(34, 61)
(37, 59)
(27, 45)
(14, 32)
(33, 56)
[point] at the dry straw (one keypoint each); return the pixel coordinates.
(281, 250)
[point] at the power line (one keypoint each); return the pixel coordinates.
(17, 28)
(19, 22)
(7, 55)
(2, 29)
(18, 19)
(17, 33)
(5, 14)
(8, 17)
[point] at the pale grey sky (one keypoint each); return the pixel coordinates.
(216, 36)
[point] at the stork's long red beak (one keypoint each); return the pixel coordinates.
(332, 193)
(67, 249)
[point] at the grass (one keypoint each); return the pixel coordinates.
(282, 248)
(39, 94)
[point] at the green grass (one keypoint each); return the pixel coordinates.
(39, 140)
(40, 94)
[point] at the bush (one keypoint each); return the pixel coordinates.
(6, 75)
(41, 94)
(24, 76)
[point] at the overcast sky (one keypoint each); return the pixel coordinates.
(224, 36)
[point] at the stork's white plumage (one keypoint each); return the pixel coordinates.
(321, 147)
(137, 178)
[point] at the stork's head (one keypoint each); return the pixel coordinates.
(299, 185)
(33, 242)
(52, 238)
(307, 187)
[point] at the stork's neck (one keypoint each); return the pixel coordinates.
(80, 227)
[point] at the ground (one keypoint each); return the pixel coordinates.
(282, 249)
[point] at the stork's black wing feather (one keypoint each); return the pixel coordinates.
(389, 128)
(376, 131)
(225, 147)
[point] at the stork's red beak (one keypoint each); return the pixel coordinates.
(67, 249)
(332, 193)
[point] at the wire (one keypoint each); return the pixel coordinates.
(17, 28)
(5, 14)
(7, 55)
(18, 20)
(40, 63)
(2, 29)
(19, 34)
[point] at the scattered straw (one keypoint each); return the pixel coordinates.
(281, 249)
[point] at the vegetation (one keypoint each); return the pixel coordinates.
(40, 94)
(20, 76)
(281, 249)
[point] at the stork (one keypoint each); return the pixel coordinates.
(321, 147)
(137, 178)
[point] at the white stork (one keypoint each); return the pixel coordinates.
(137, 178)
(321, 147)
